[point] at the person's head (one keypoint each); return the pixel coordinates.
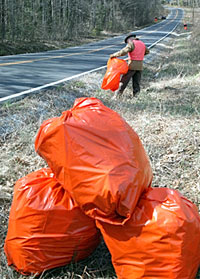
(130, 37)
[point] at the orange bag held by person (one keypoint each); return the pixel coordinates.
(98, 157)
(115, 68)
(46, 228)
(160, 241)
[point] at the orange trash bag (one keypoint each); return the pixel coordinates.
(46, 228)
(98, 157)
(115, 67)
(161, 240)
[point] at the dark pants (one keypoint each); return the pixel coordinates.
(136, 77)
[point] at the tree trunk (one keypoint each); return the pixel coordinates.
(3, 26)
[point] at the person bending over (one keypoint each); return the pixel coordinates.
(136, 51)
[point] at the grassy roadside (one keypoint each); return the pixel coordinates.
(166, 116)
(19, 47)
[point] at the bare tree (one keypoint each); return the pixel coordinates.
(67, 19)
(2, 14)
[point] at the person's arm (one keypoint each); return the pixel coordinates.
(128, 48)
(147, 51)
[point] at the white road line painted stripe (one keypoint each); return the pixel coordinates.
(165, 35)
(48, 85)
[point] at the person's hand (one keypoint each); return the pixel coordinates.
(112, 56)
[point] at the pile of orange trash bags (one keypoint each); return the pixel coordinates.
(115, 68)
(100, 176)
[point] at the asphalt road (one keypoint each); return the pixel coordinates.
(25, 73)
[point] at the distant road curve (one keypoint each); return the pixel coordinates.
(27, 73)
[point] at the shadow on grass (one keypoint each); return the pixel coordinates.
(98, 265)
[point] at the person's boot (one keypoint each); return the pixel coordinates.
(117, 94)
(135, 93)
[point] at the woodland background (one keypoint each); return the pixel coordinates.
(38, 25)
(66, 19)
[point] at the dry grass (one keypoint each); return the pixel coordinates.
(166, 116)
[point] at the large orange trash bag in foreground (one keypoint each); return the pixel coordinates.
(115, 67)
(46, 228)
(161, 240)
(99, 158)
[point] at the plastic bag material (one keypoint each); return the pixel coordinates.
(100, 158)
(46, 228)
(161, 240)
(115, 67)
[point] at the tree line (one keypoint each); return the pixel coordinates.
(186, 3)
(31, 20)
